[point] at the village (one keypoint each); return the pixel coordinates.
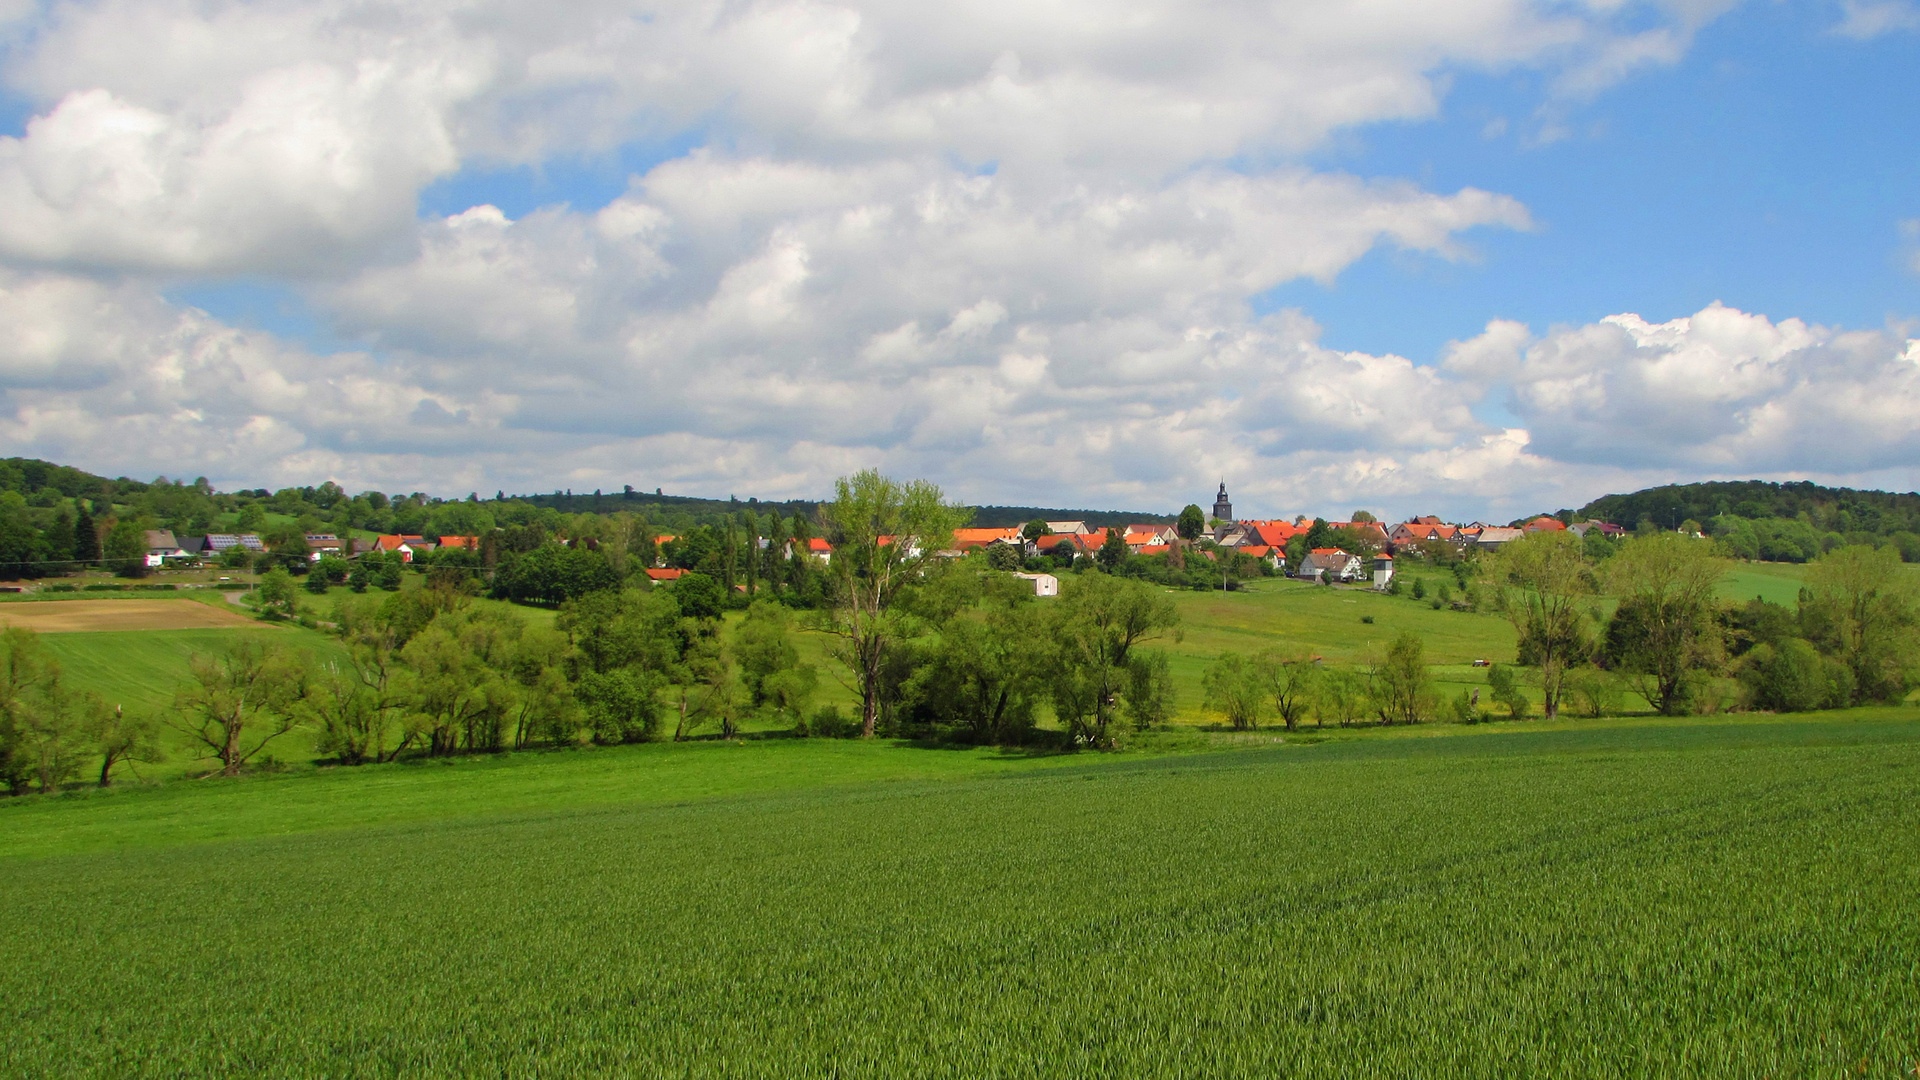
(1362, 551)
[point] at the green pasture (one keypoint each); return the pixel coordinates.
(1777, 583)
(142, 669)
(1708, 898)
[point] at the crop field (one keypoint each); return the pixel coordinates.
(79, 616)
(1718, 898)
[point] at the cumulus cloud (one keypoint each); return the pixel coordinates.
(1004, 245)
(1719, 391)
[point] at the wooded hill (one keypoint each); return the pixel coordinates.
(661, 508)
(1782, 522)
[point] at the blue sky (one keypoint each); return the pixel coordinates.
(1770, 169)
(1345, 254)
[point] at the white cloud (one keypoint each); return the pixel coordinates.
(1005, 245)
(1866, 19)
(1721, 391)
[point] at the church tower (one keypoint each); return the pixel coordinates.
(1222, 506)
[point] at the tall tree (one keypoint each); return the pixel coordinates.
(86, 534)
(1289, 682)
(1112, 551)
(1543, 580)
(1235, 687)
(1401, 682)
(241, 700)
(119, 736)
(884, 533)
(1193, 522)
(1663, 630)
(1101, 623)
(125, 548)
(1862, 606)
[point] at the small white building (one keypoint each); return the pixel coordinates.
(1043, 584)
(1382, 572)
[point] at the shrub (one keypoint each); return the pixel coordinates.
(827, 722)
(1368, 619)
(1465, 710)
(1505, 689)
(1594, 693)
(1792, 676)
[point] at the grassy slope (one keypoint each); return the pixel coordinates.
(1717, 898)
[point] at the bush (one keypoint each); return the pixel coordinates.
(827, 722)
(61, 588)
(1419, 589)
(1594, 693)
(1792, 676)
(1505, 689)
(105, 588)
(1368, 619)
(1465, 710)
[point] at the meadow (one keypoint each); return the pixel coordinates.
(1722, 897)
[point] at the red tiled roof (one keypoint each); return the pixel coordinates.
(665, 575)
(817, 545)
(459, 541)
(1544, 523)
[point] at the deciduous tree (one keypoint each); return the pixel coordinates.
(241, 700)
(1543, 580)
(883, 535)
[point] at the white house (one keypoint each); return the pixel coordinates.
(1322, 563)
(1043, 584)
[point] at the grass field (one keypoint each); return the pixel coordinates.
(1710, 898)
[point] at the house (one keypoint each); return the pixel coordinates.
(1382, 572)
(965, 540)
(657, 574)
(1067, 528)
(465, 543)
(1273, 534)
(1065, 544)
(1421, 532)
(820, 549)
(1365, 528)
(1267, 553)
(405, 545)
(1323, 563)
(1544, 523)
(1493, 536)
(1043, 584)
(162, 546)
(1582, 528)
(321, 545)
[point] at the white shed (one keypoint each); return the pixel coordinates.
(1043, 584)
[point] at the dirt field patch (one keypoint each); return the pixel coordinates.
(70, 616)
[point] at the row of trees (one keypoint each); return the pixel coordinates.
(1855, 633)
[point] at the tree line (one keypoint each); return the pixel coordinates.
(930, 648)
(1642, 617)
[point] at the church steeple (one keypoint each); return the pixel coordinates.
(1222, 506)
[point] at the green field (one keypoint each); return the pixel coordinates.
(1707, 898)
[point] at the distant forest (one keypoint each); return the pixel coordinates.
(1777, 522)
(664, 509)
